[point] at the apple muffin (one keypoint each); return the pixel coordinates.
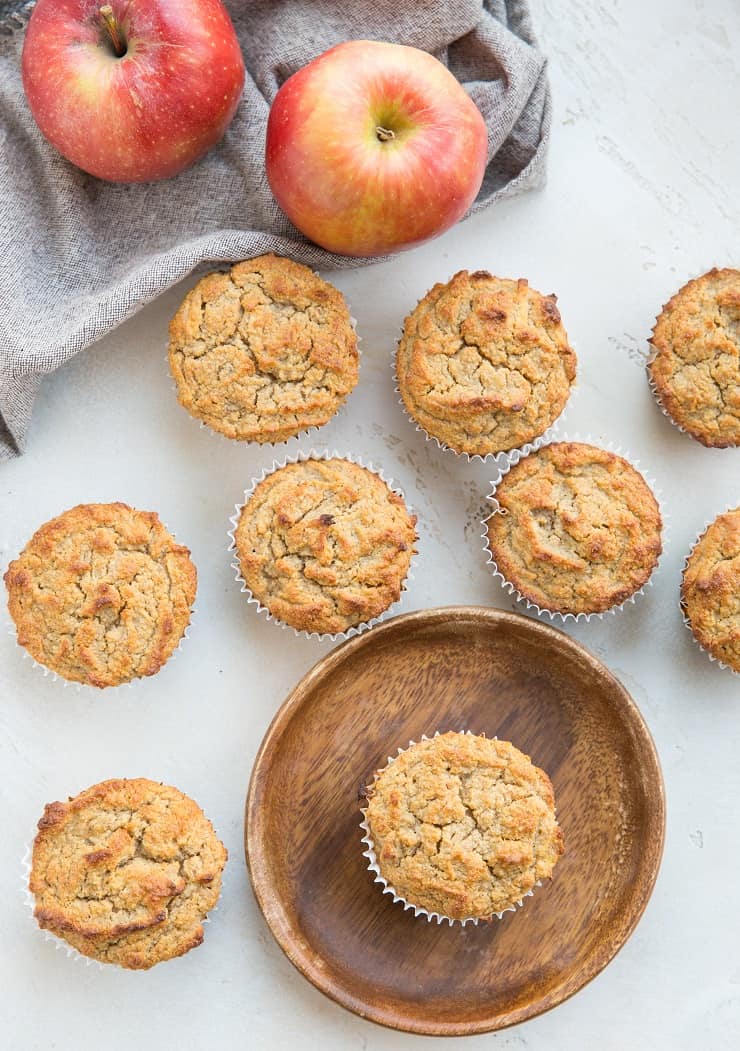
(710, 589)
(694, 368)
(462, 826)
(576, 529)
(126, 872)
(324, 545)
(484, 364)
(264, 351)
(102, 594)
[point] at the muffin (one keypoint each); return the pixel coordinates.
(462, 827)
(101, 594)
(710, 589)
(576, 528)
(483, 364)
(126, 872)
(264, 351)
(694, 368)
(324, 545)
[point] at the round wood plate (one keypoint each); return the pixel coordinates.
(460, 668)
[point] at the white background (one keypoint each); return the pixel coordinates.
(643, 193)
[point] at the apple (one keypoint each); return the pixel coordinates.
(374, 147)
(132, 90)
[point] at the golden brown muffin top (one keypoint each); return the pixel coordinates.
(695, 367)
(325, 545)
(126, 872)
(578, 528)
(101, 594)
(463, 825)
(264, 351)
(484, 364)
(710, 590)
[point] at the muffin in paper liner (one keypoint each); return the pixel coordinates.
(681, 605)
(302, 457)
(652, 353)
(290, 288)
(509, 587)
(499, 456)
(88, 688)
(388, 888)
(60, 943)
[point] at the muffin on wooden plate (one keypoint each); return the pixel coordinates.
(483, 364)
(710, 589)
(126, 872)
(694, 369)
(461, 827)
(323, 544)
(264, 351)
(575, 530)
(102, 594)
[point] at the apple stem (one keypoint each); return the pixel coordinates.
(384, 134)
(110, 22)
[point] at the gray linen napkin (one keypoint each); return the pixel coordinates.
(79, 256)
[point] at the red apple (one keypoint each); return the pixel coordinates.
(374, 147)
(132, 90)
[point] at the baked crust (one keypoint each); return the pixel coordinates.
(101, 594)
(484, 363)
(695, 366)
(710, 589)
(325, 545)
(463, 825)
(579, 529)
(126, 872)
(264, 351)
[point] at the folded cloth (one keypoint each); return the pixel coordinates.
(79, 256)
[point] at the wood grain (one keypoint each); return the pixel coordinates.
(459, 668)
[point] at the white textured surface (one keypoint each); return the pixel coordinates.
(643, 193)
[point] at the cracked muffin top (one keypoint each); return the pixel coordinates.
(324, 545)
(264, 351)
(126, 872)
(695, 365)
(710, 590)
(578, 529)
(101, 594)
(483, 364)
(463, 825)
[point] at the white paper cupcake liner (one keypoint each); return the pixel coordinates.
(684, 617)
(302, 457)
(212, 432)
(388, 888)
(550, 434)
(650, 357)
(509, 587)
(87, 688)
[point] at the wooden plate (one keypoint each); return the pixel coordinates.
(453, 669)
